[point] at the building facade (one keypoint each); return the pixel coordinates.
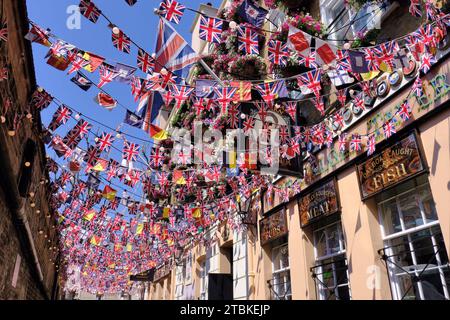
(28, 238)
(362, 227)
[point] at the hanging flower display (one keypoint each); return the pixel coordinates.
(302, 21)
(248, 67)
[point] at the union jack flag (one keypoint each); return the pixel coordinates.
(385, 53)
(320, 105)
(372, 59)
(130, 151)
(172, 10)
(41, 99)
(89, 10)
(156, 158)
(180, 94)
(415, 8)
(338, 118)
(61, 116)
(278, 52)
(112, 171)
(215, 173)
(342, 96)
(224, 97)
(418, 87)
(309, 61)
(425, 34)
(248, 40)
(291, 109)
(91, 155)
(389, 129)
(405, 111)
(105, 142)
(371, 143)
(173, 52)
(145, 62)
(121, 41)
(77, 64)
(107, 75)
(268, 90)
(355, 142)
(4, 32)
(311, 80)
(210, 29)
(427, 61)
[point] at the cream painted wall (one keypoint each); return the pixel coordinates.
(367, 272)
(435, 137)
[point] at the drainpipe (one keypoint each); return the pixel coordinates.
(17, 208)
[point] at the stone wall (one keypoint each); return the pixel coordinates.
(28, 240)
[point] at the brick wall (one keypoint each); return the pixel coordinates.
(14, 239)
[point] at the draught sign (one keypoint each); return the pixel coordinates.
(391, 166)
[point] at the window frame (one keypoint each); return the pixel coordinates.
(321, 288)
(275, 272)
(394, 276)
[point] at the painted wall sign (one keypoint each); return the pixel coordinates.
(320, 202)
(273, 227)
(392, 166)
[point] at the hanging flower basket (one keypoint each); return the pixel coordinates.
(250, 67)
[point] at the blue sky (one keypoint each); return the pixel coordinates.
(138, 22)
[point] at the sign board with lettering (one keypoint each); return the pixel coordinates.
(143, 276)
(319, 203)
(273, 227)
(390, 167)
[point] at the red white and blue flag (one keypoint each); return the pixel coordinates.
(172, 10)
(248, 40)
(180, 94)
(210, 29)
(89, 10)
(145, 62)
(173, 52)
(224, 97)
(311, 80)
(278, 52)
(121, 41)
(130, 151)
